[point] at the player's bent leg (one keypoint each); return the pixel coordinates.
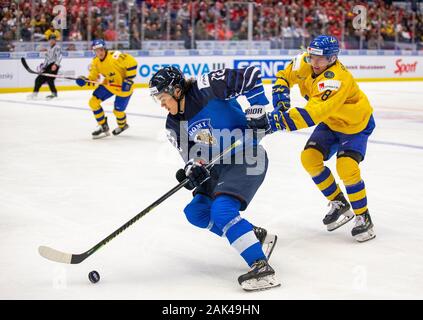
(119, 111)
(339, 213)
(121, 121)
(197, 213)
(241, 236)
(103, 127)
(349, 171)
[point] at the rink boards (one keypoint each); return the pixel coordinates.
(365, 66)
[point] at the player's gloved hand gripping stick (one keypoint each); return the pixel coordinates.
(58, 256)
(25, 64)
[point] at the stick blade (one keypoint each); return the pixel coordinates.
(55, 255)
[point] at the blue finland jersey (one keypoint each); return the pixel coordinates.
(213, 119)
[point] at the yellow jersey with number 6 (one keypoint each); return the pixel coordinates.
(333, 97)
(115, 67)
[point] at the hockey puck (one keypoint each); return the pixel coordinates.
(94, 276)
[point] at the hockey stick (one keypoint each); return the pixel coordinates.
(58, 256)
(26, 66)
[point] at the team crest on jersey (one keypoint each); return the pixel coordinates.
(201, 131)
(329, 74)
(328, 85)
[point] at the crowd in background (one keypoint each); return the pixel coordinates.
(287, 23)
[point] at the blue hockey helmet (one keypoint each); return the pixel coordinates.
(98, 43)
(166, 80)
(324, 45)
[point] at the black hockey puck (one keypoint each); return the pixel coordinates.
(94, 276)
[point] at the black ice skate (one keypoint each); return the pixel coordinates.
(102, 131)
(260, 277)
(267, 240)
(339, 213)
(52, 96)
(363, 229)
(119, 130)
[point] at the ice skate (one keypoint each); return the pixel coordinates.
(51, 96)
(267, 240)
(363, 229)
(339, 213)
(260, 277)
(32, 96)
(101, 131)
(119, 130)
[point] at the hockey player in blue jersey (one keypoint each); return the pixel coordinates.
(205, 118)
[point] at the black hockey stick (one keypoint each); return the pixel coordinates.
(26, 66)
(58, 256)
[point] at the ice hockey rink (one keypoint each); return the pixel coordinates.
(60, 188)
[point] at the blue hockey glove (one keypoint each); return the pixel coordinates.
(127, 85)
(196, 171)
(81, 81)
(281, 98)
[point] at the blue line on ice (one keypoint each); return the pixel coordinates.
(394, 144)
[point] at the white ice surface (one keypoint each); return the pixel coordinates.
(60, 188)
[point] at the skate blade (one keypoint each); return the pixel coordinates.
(365, 236)
(260, 284)
(348, 216)
(269, 244)
(103, 135)
(118, 133)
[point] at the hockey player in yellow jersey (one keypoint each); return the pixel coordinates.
(344, 120)
(119, 71)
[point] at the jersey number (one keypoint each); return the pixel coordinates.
(217, 75)
(326, 95)
(118, 54)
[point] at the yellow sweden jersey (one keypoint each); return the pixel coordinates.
(115, 67)
(333, 98)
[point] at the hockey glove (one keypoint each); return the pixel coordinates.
(196, 171)
(127, 85)
(281, 98)
(181, 176)
(269, 122)
(81, 81)
(257, 119)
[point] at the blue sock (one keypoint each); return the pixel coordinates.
(238, 231)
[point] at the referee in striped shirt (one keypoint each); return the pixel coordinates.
(51, 64)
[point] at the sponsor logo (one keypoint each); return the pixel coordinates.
(328, 85)
(329, 74)
(189, 69)
(255, 112)
(318, 52)
(268, 68)
(6, 76)
(405, 67)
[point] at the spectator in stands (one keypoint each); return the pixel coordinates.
(52, 31)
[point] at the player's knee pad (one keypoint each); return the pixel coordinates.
(94, 103)
(348, 170)
(224, 209)
(312, 161)
(197, 212)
